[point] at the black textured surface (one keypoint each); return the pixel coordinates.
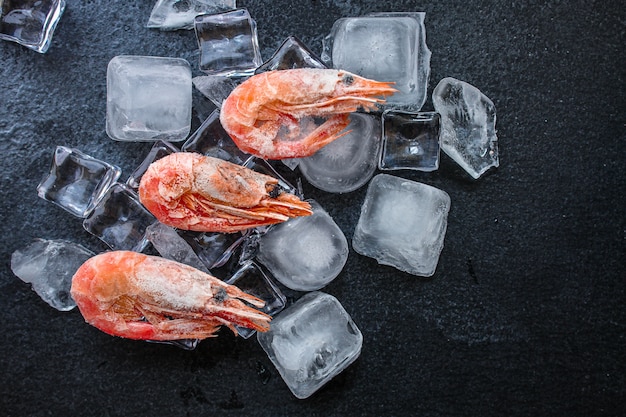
(525, 314)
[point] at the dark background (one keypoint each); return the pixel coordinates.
(526, 312)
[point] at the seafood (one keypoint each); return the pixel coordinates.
(256, 111)
(195, 192)
(137, 296)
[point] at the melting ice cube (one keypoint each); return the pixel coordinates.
(180, 14)
(49, 266)
(311, 342)
(305, 253)
(30, 23)
(468, 126)
(402, 224)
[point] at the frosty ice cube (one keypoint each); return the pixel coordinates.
(311, 342)
(228, 43)
(251, 279)
(292, 53)
(76, 181)
(159, 150)
(212, 140)
(468, 126)
(349, 162)
(49, 266)
(180, 14)
(148, 98)
(410, 141)
(119, 220)
(304, 253)
(402, 224)
(170, 245)
(30, 23)
(214, 87)
(384, 47)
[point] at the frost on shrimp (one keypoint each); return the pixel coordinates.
(137, 296)
(194, 192)
(257, 112)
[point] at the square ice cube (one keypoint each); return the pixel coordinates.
(311, 342)
(119, 220)
(212, 140)
(148, 98)
(387, 47)
(228, 43)
(304, 253)
(292, 53)
(251, 279)
(402, 224)
(159, 150)
(76, 181)
(30, 23)
(410, 141)
(180, 14)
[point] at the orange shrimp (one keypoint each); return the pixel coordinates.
(255, 111)
(137, 296)
(194, 192)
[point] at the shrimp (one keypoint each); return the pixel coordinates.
(194, 192)
(255, 111)
(136, 296)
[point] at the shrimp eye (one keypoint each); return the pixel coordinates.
(348, 79)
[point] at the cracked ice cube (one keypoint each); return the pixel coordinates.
(468, 126)
(402, 224)
(30, 23)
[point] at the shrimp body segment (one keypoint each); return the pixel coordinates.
(257, 112)
(136, 296)
(194, 192)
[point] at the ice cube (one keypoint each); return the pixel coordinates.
(76, 181)
(410, 141)
(214, 87)
(304, 253)
(158, 151)
(251, 279)
(148, 98)
(213, 249)
(119, 219)
(212, 140)
(30, 23)
(387, 47)
(468, 126)
(49, 266)
(349, 162)
(292, 53)
(228, 43)
(262, 166)
(311, 342)
(402, 224)
(180, 14)
(170, 245)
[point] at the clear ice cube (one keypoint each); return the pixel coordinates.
(120, 220)
(159, 150)
(214, 87)
(49, 266)
(171, 245)
(387, 47)
(349, 162)
(228, 43)
(304, 253)
(410, 141)
(311, 342)
(212, 140)
(402, 224)
(148, 98)
(468, 126)
(30, 23)
(213, 249)
(292, 53)
(76, 181)
(251, 279)
(180, 14)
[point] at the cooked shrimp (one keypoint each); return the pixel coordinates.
(255, 111)
(194, 192)
(137, 296)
